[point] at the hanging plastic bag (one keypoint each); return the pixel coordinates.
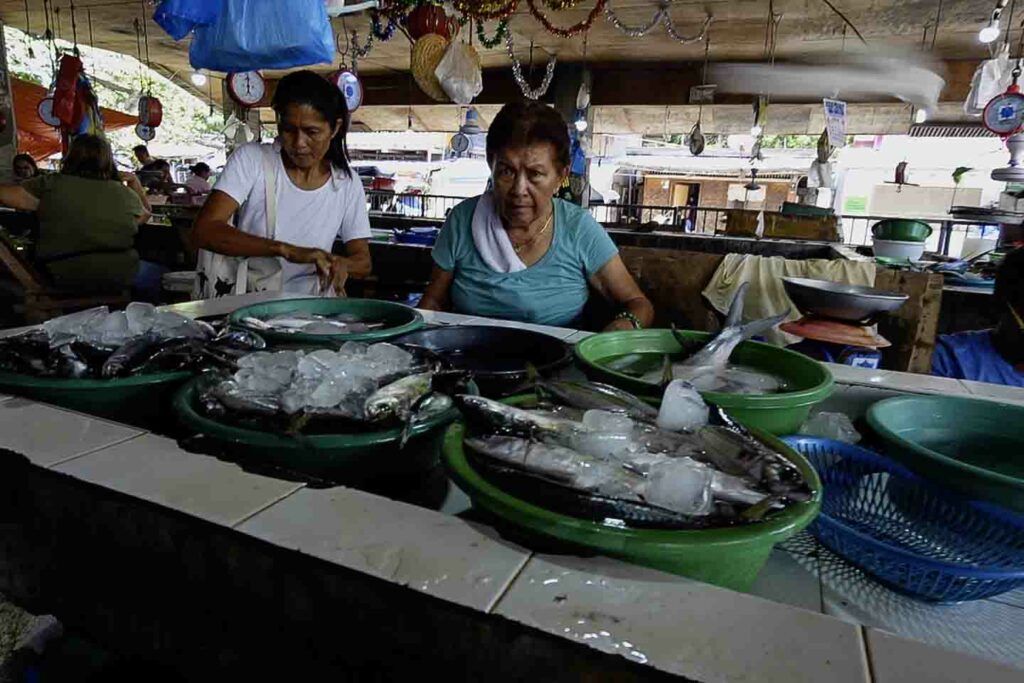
(460, 74)
(264, 34)
(991, 78)
(180, 17)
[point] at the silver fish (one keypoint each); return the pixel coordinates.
(398, 398)
(506, 419)
(596, 396)
(714, 356)
(228, 393)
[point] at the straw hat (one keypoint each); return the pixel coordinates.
(427, 53)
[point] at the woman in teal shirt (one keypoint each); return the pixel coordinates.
(518, 253)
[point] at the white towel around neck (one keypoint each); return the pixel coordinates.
(491, 239)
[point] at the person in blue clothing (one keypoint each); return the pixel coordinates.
(518, 253)
(995, 356)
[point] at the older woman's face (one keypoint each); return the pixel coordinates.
(305, 135)
(23, 170)
(525, 180)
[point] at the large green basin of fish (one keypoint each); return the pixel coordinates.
(397, 319)
(346, 458)
(808, 381)
(141, 400)
(973, 446)
(730, 557)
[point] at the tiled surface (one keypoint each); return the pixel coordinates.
(1015, 598)
(47, 435)
(157, 470)
(995, 391)
(983, 628)
(902, 381)
(789, 580)
(438, 554)
(897, 660)
(705, 633)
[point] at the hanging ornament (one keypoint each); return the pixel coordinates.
(426, 19)
(487, 9)
(499, 34)
(662, 17)
(517, 72)
(427, 54)
(572, 31)
(559, 5)
(380, 32)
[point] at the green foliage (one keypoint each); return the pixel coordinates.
(117, 80)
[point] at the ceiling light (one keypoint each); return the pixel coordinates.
(991, 32)
(921, 116)
(198, 79)
(756, 130)
(581, 125)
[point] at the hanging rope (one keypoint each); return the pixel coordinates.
(74, 27)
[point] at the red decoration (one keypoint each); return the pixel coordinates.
(65, 94)
(472, 8)
(429, 19)
(572, 31)
(151, 111)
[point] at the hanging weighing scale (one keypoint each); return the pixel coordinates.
(350, 86)
(1004, 116)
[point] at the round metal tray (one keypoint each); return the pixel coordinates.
(838, 301)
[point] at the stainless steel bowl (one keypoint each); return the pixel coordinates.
(849, 303)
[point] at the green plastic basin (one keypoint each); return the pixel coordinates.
(729, 557)
(781, 413)
(901, 230)
(143, 400)
(976, 447)
(350, 458)
(397, 319)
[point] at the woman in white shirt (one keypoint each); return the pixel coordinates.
(198, 183)
(318, 196)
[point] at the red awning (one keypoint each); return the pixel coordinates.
(38, 139)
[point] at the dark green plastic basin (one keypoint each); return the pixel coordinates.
(397, 319)
(729, 557)
(901, 230)
(976, 447)
(781, 413)
(349, 457)
(143, 400)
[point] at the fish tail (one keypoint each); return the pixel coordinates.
(759, 327)
(734, 318)
(666, 371)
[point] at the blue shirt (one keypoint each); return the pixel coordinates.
(552, 291)
(971, 356)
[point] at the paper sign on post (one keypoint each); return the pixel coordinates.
(835, 122)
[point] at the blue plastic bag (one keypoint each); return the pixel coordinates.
(180, 17)
(264, 34)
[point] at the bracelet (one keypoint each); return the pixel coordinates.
(626, 315)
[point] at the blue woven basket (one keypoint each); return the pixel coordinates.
(911, 536)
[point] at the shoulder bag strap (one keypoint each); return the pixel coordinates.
(270, 184)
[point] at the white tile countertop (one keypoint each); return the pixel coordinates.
(808, 619)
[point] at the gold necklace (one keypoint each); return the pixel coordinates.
(519, 247)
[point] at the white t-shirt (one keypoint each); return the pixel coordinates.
(305, 218)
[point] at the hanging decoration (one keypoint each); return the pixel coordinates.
(382, 33)
(499, 34)
(487, 10)
(572, 31)
(662, 17)
(428, 18)
(427, 54)
(151, 111)
(517, 72)
(559, 5)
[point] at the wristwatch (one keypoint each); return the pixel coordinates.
(635, 321)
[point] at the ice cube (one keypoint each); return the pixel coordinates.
(253, 360)
(252, 381)
(605, 421)
(390, 356)
(112, 331)
(604, 444)
(316, 364)
(680, 484)
(68, 327)
(354, 349)
(140, 317)
(682, 408)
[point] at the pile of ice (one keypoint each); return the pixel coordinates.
(99, 327)
(341, 379)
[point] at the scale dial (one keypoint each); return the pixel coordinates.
(247, 88)
(1004, 114)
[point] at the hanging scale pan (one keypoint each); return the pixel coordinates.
(45, 111)
(695, 140)
(145, 133)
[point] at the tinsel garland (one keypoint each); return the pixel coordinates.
(517, 72)
(572, 31)
(499, 34)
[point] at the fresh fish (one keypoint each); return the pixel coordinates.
(175, 354)
(93, 355)
(396, 400)
(505, 419)
(65, 363)
(239, 339)
(311, 324)
(596, 396)
(131, 355)
(232, 397)
(714, 356)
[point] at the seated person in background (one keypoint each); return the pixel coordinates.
(24, 167)
(518, 253)
(995, 356)
(198, 183)
(142, 155)
(87, 218)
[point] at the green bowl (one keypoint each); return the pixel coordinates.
(781, 413)
(729, 557)
(901, 230)
(350, 457)
(142, 400)
(397, 319)
(976, 447)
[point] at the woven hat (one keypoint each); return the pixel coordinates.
(427, 53)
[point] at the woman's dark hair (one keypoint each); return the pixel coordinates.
(201, 167)
(526, 123)
(28, 159)
(1010, 280)
(306, 87)
(90, 157)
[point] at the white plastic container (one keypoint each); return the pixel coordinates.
(899, 250)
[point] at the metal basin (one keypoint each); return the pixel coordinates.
(849, 303)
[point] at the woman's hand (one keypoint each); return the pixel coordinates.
(620, 324)
(330, 269)
(130, 179)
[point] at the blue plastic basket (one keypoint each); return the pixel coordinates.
(910, 535)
